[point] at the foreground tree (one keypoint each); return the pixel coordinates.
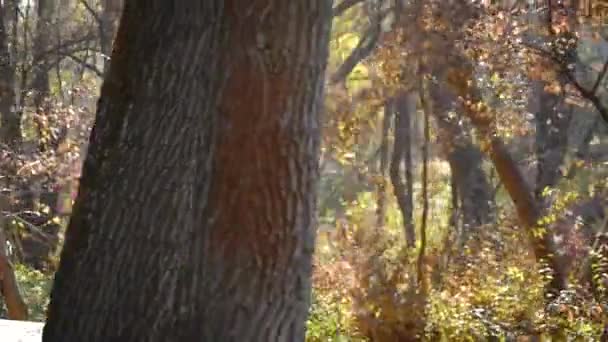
(194, 219)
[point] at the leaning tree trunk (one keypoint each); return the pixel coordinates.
(9, 289)
(459, 76)
(195, 215)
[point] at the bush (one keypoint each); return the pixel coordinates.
(35, 287)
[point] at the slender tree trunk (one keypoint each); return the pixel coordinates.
(409, 104)
(422, 282)
(10, 121)
(403, 191)
(454, 198)
(40, 74)
(9, 289)
(195, 214)
(386, 125)
(111, 10)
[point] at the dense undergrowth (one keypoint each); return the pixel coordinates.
(489, 288)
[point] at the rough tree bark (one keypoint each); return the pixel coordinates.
(195, 214)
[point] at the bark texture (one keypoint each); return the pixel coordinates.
(195, 213)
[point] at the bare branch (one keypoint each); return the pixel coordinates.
(85, 64)
(344, 6)
(600, 77)
(589, 94)
(65, 45)
(91, 11)
(360, 52)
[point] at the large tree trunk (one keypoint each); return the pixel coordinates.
(10, 121)
(195, 215)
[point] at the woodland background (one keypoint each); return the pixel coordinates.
(463, 171)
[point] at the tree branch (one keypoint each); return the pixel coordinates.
(85, 64)
(600, 77)
(92, 11)
(359, 53)
(344, 6)
(589, 94)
